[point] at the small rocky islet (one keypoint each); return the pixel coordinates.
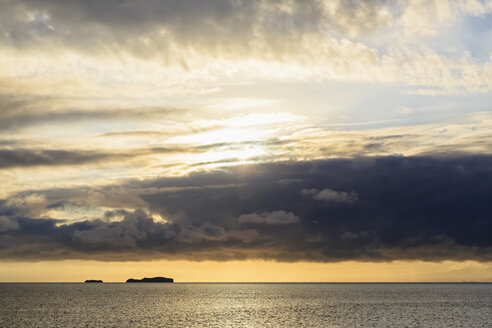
(155, 279)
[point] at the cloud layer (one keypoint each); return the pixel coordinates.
(340, 40)
(406, 208)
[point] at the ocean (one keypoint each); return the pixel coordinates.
(245, 305)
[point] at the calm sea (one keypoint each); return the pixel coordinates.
(245, 305)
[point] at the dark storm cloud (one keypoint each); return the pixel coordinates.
(406, 208)
(276, 217)
(136, 233)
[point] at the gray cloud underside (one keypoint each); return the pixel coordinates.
(341, 40)
(28, 110)
(25, 157)
(214, 25)
(407, 208)
(29, 157)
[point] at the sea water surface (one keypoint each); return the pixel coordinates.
(245, 305)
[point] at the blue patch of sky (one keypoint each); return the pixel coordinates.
(470, 34)
(477, 36)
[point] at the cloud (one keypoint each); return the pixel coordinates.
(7, 224)
(210, 232)
(35, 160)
(194, 23)
(21, 111)
(334, 40)
(135, 232)
(30, 157)
(408, 208)
(330, 195)
(274, 218)
(32, 204)
(22, 158)
(86, 89)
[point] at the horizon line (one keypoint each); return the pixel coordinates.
(260, 282)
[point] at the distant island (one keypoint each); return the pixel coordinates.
(155, 279)
(93, 281)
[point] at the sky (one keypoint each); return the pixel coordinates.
(246, 140)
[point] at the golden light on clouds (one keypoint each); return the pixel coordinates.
(234, 131)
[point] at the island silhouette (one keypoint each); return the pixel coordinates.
(93, 281)
(155, 279)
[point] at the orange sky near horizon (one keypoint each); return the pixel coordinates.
(248, 271)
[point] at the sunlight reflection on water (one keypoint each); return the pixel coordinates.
(245, 305)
